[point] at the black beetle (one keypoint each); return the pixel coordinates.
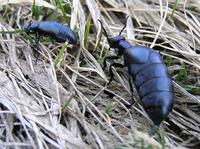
(55, 30)
(149, 73)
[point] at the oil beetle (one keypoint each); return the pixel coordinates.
(149, 73)
(55, 30)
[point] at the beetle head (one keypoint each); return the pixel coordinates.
(23, 26)
(114, 42)
(28, 28)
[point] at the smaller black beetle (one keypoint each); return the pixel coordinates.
(55, 30)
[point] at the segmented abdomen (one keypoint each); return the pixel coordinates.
(153, 84)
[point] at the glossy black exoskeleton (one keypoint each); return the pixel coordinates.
(55, 30)
(149, 73)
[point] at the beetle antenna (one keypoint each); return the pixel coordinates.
(123, 26)
(104, 30)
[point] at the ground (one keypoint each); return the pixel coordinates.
(60, 101)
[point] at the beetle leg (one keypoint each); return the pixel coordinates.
(110, 57)
(130, 83)
(111, 72)
(131, 102)
(37, 39)
(111, 95)
(37, 56)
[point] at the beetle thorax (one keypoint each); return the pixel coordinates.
(32, 27)
(119, 43)
(114, 42)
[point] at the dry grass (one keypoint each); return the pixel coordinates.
(43, 106)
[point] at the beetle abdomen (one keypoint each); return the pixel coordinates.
(152, 82)
(57, 31)
(158, 105)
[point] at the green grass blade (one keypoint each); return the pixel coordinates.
(12, 32)
(174, 7)
(109, 108)
(192, 89)
(35, 11)
(87, 30)
(19, 31)
(64, 108)
(169, 61)
(59, 2)
(59, 56)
